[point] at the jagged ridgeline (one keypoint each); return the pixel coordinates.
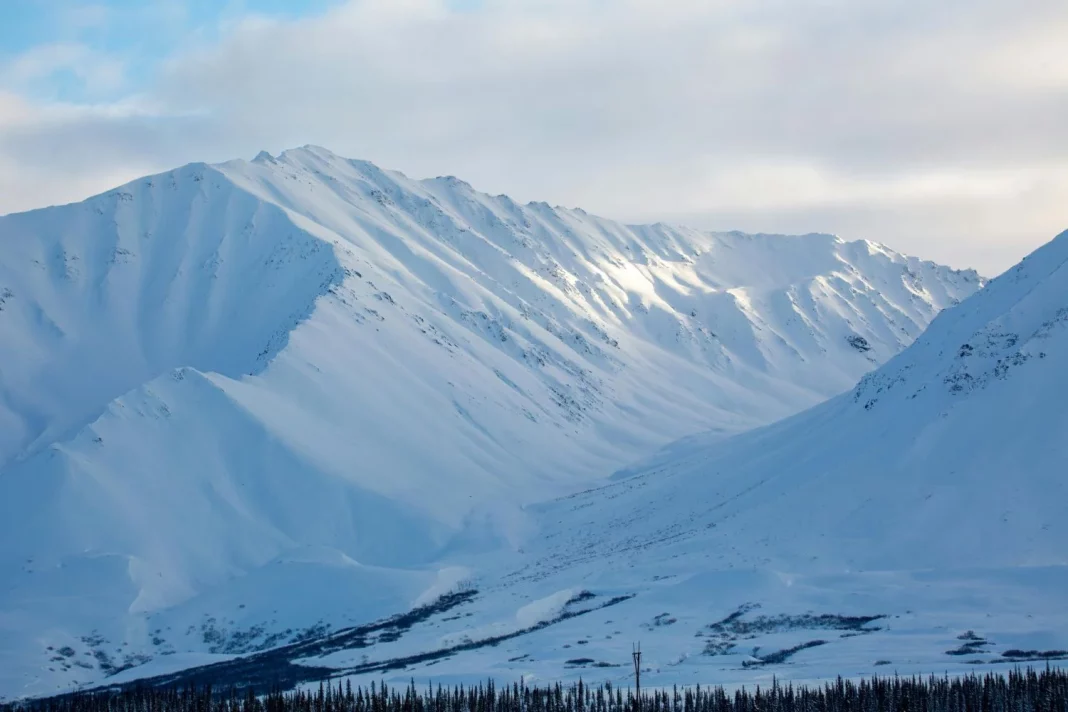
(1017, 691)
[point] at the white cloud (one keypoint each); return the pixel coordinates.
(884, 119)
(59, 152)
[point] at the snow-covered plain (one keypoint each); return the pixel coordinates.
(250, 403)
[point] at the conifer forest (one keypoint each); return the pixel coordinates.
(1017, 691)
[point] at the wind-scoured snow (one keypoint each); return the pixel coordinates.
(244, 403)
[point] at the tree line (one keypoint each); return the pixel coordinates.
(1017, 691)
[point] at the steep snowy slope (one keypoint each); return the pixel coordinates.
(211, 267)
(217, 377)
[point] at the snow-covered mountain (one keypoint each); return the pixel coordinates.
(913, 525)
(309, 376)
(916, 524)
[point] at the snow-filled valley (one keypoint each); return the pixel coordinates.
(349, 423)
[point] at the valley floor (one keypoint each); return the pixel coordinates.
(731, 628)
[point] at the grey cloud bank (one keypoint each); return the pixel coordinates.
(937, 128)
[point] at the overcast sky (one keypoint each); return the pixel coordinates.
(939, 127)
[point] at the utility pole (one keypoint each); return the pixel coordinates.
(636, 653)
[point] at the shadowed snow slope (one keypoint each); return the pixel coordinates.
(205, 371)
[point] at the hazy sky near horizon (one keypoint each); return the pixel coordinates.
(939, 128)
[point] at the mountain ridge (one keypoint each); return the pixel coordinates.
(308, 351)
(196, 173)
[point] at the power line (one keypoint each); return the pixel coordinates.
(636, 653)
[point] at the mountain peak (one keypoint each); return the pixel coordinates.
(314, 150)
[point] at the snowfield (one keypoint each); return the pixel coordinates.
(255, 404)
